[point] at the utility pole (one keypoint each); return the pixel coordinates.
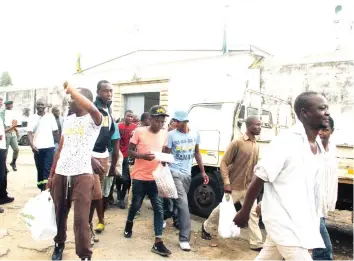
(343, 26)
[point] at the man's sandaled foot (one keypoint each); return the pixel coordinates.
(205, 235)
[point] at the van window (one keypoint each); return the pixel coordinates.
(202, 116)
(266, 116)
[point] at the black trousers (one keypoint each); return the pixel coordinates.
(44, 160)
(123, 183)
(3, 174)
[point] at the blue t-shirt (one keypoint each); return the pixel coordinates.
(116, 135)
(182, 147)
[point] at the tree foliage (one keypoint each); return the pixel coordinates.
(5, 79)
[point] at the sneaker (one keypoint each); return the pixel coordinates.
(87, 258)
(58, 251)
(6, 200)
(160, 249)
(99, 228)
(185, 246)
(128, 230)
(13, 165)
(121, 204)
(164, 225)
(257, 249)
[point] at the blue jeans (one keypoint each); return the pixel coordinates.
(323, 253)
(140, 189)
(44, 161)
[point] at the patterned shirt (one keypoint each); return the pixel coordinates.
(80, 135)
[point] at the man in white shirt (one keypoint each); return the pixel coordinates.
(289, 172)
(327, 191)
(41, 129)
(4, 197)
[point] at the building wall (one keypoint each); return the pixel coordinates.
(26, 98)
(332, 79)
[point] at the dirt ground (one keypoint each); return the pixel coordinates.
(16, 242)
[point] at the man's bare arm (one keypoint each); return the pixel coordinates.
(255, 187)
(198, 159)
(115, 157)
(56, 135)
(85, 103)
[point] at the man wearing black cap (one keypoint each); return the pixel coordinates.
(144, 142)
(11, 132)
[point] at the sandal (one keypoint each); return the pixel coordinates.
(205, 235)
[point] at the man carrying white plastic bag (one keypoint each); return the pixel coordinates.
(227, 228)
(236, 168)
(39, 216)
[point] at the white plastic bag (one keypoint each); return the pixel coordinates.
(227, 227)
(164, 181)
(39, 216)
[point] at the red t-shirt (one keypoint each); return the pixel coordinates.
(125, 132)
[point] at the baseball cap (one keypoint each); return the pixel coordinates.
(180, 116)
(158, 111)
(8, 102)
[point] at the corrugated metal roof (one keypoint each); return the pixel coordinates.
(238, 48)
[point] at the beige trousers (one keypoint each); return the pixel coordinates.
(255, 233)
(272, 251)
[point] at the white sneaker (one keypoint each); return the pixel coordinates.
(185, 246)
(164, 225)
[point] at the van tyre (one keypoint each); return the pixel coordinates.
(204, 198)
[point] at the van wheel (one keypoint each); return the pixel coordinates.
(204, 198)
(24, 141)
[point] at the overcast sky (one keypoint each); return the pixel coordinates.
(40, 39)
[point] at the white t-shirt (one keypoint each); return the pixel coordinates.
(290, 170)
(80, 135)
(2, 133)
(42, 128)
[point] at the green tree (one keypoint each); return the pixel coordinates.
(5, 79)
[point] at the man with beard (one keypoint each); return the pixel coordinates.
(100, 154)
(289, 171)
(236, 169)
(41, 130)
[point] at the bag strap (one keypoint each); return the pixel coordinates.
(37, 124)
